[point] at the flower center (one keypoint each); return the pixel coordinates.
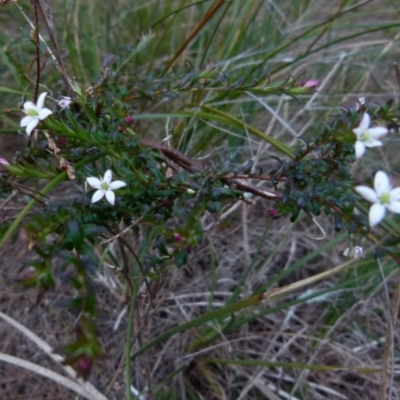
(104, 185)
(384, 198)
(32, 112)
(365, 137)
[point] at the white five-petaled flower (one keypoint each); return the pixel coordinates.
(366, 136)
(383, 197)
(34, 114)
(64, 102)
(105, 187)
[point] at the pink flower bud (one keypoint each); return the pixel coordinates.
(311, 83)
(273, 213)
(121, 128)
(84, 364)
(61, 142)
(129, 119)
(177, 237)
(3, 161)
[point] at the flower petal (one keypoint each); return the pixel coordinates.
(373, 143)
(28, 105)
(98, 195)
(359, 148)
(358, 132)
(40, 101)
(44, 113)
(381, 183)
(107, 176)
(110, 196)
(367, 193)
(395, 194)
(377, 132)
(365, 122)
(117, 185)
(95, 183)
(31, 126)
(394, 207)
(26, 120)
(376, 214)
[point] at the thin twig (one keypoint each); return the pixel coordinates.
(8, 199)
(111, 239)
(45, 10)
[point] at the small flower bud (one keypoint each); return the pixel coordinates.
(84, 363)
(64, 102)
(83, 366)
(177, 237)
(311, 83)
(3, 161)
(129, 119)
(354, 252)
(360, 103)
(121, 128)
(273, 213)
(61, 142)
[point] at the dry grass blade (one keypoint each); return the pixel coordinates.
(86, 387)
(387, 363)
(274, 293)
(397, 72)
(62, 380)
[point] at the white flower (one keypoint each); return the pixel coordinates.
(383, 197)
(34, 114)
(366, 136)
(64, 102)
(105, 187)
(354, 252)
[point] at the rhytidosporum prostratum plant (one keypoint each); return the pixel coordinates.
(126, 180)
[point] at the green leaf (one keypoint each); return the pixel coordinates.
(180, 258)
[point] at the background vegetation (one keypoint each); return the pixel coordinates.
(200, 331)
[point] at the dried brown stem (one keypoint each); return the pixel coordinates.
(213, 9)
(191, 165)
